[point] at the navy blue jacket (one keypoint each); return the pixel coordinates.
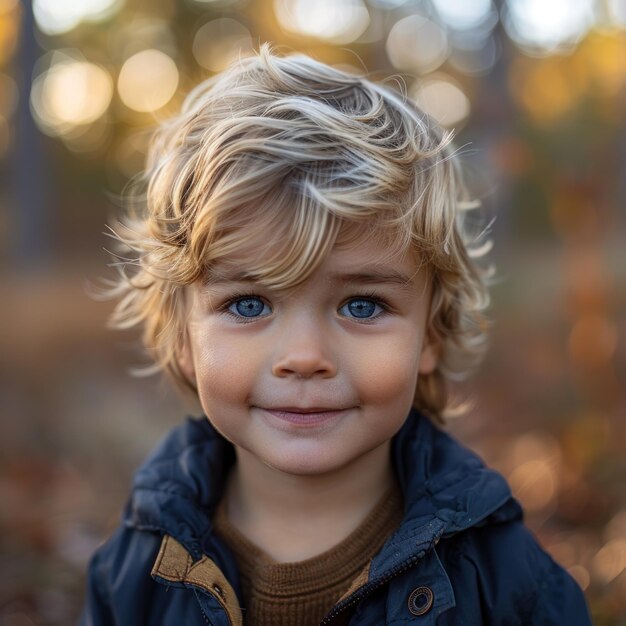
(461, 556)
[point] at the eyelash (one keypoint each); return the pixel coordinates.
(374, 297)
(224, 308)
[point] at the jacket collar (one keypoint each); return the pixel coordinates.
(442, 480)
(446, 489)
(179, 485)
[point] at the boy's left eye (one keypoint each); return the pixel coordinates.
(361, 308)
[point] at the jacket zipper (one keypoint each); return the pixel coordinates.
(369, 587)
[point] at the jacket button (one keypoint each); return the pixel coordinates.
(218, 590)
(421, 600)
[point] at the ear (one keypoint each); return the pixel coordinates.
(429, 358)
(184, 358)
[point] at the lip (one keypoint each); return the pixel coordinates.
(305, 409)
(306, 416)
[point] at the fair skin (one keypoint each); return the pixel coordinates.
(310, 386)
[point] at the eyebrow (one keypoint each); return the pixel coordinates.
(366, 276)
(373, 276)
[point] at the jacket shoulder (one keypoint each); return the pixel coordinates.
(119, 581)
(501, 575)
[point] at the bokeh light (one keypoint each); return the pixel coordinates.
(541, 27)
(474, 56)
(462, 14)
(388, 4)
(581, 575)
(533, 446)
(546, 89)
(617, 11)
(603, 57)
(610, 561)
(442, 97)
(9, 28)
(335, 21)
(534, 483)
(54, 17)
(147, 80)
(219, 42)
(534, 479)
(593, 340)
(6, 6)
(416, 43)
(616, 527)
(216, 3)
(72, 92)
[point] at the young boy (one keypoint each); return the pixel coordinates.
(304, 267)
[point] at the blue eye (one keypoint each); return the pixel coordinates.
(250, 306)
(361, 308)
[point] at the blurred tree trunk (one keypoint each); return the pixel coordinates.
(31, 198)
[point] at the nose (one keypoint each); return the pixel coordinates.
(303, 351)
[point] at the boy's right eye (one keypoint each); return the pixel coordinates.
(249, 307)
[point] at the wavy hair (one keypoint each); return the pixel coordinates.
(297, 150)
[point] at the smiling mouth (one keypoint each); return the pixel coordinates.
(306, 416)
(310, 409)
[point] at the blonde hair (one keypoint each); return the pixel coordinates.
(295, 149)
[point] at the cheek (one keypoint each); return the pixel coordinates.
(388, 373)
(224, 370)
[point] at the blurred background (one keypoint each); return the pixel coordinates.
(536, 92)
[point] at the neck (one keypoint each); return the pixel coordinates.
(293, 517)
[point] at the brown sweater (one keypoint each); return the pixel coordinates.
(302, 593)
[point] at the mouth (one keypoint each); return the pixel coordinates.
(306, 416)
(305, 410)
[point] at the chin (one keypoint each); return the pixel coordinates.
(304, 464)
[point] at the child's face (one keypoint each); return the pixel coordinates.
(311, 380)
